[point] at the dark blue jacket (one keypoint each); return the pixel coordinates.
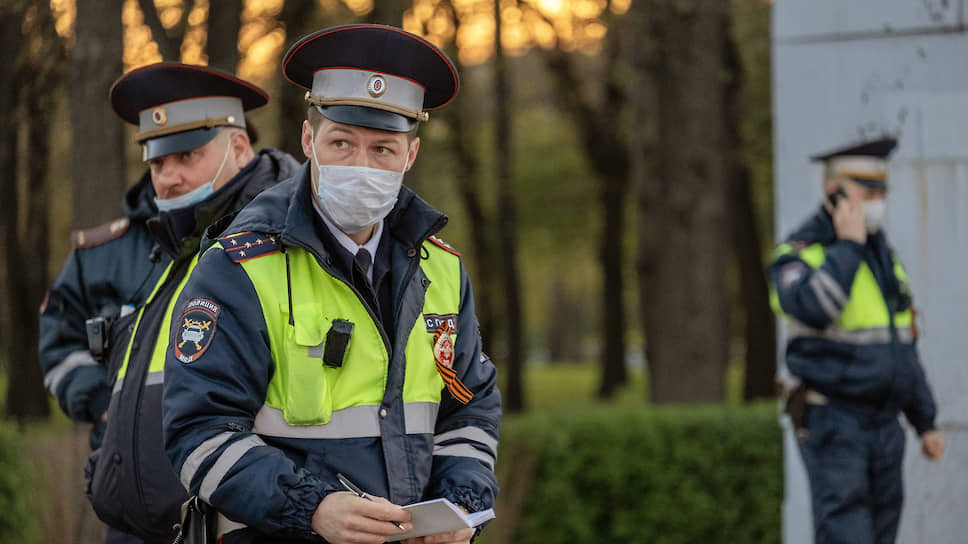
(275, 484)
(109, 267)
(875, 370)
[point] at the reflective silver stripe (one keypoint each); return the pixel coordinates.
(155, 378)
(420, 417)
(117, 385)
(225, 462)
(224, 526)
(355, 422)
(824, 298)
(196, 457)
(469, 433)
(879, 335)
(73, 360)
(465, 450)
(832, 287)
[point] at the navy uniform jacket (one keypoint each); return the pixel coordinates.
(109, 267)
(275, 484)
(868, 374)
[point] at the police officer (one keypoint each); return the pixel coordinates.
(109, 272)
(852, 343)
(202, 167)
(334, 333)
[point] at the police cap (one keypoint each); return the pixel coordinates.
(863, 162)
(373, 76)
(179, 107)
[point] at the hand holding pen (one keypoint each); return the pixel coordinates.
(341, 518)
(359, 493)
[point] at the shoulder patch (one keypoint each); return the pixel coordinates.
(196, 327)
(443, 245)
(100, 234)
(248, 245)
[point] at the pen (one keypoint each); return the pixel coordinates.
(359, 493)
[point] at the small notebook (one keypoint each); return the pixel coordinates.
(440, 516)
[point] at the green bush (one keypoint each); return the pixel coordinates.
(662, 475)
(17, 521)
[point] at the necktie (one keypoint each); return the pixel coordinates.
(363, 261)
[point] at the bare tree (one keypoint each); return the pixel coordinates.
(607, 152)
(224, 23)
(38, 70)
(388, 12)
(507, 223)
(759, 325)
(169, 42)
(461, 144)
(98, 136)
(685, 311)
(298, 17)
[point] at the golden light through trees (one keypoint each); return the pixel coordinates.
(572, 25)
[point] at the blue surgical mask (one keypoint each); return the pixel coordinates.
(186, 200)
(196, 195)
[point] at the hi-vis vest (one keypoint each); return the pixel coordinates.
(156, 368)
(865, 317)
(308, 399)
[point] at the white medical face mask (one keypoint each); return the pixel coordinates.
(874, 213)
(356, 197)
(197, 194)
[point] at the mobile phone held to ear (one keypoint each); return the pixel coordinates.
(835, 196)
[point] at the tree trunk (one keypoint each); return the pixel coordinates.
(608, 156)
(298, 18)
(27, 251)
(98, 136)
(461, 144)
(388, 12)
(507, 224)
(168, 45)
(759, 324)
(224, 23)
(686, 318)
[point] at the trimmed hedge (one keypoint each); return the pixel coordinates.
(17, 520)
(662, 475)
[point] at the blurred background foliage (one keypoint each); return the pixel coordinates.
(608, 177)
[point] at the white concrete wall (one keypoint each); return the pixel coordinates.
(845, 70)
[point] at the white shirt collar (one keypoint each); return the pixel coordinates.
(348, 243)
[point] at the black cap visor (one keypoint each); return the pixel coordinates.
(362, 116)
(178, 142)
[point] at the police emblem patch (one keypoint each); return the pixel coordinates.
(195, 330)
(159, 116)
(444, 357)
(435, 321)
(444, 346)
(376, 86)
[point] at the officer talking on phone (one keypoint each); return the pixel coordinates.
(852, 344)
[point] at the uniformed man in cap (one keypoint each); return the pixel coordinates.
(342, 333)
(202, 167)
(851, 342)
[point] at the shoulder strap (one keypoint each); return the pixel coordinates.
(248, 245)
(100, 234)
(443, 245)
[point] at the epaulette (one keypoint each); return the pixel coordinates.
(248, 245)
(797, 246)
(443, 245)
(101, 234)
